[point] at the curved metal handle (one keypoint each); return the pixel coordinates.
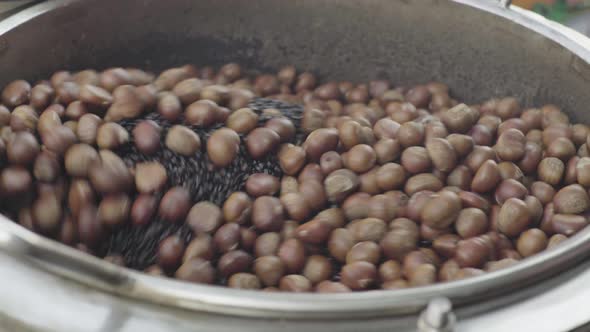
(505, 3)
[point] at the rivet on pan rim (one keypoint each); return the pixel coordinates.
(3, 45)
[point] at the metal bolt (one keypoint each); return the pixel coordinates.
(438, 316)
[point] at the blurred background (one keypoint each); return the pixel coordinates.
(573, 13)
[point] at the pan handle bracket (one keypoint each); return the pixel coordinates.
(505, 3)
(438, 316)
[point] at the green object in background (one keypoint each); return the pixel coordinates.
(560, 10)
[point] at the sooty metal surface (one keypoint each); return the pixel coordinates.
(479, 54)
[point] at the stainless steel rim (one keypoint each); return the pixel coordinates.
(94, 272)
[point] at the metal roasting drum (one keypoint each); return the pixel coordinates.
(481, 48)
